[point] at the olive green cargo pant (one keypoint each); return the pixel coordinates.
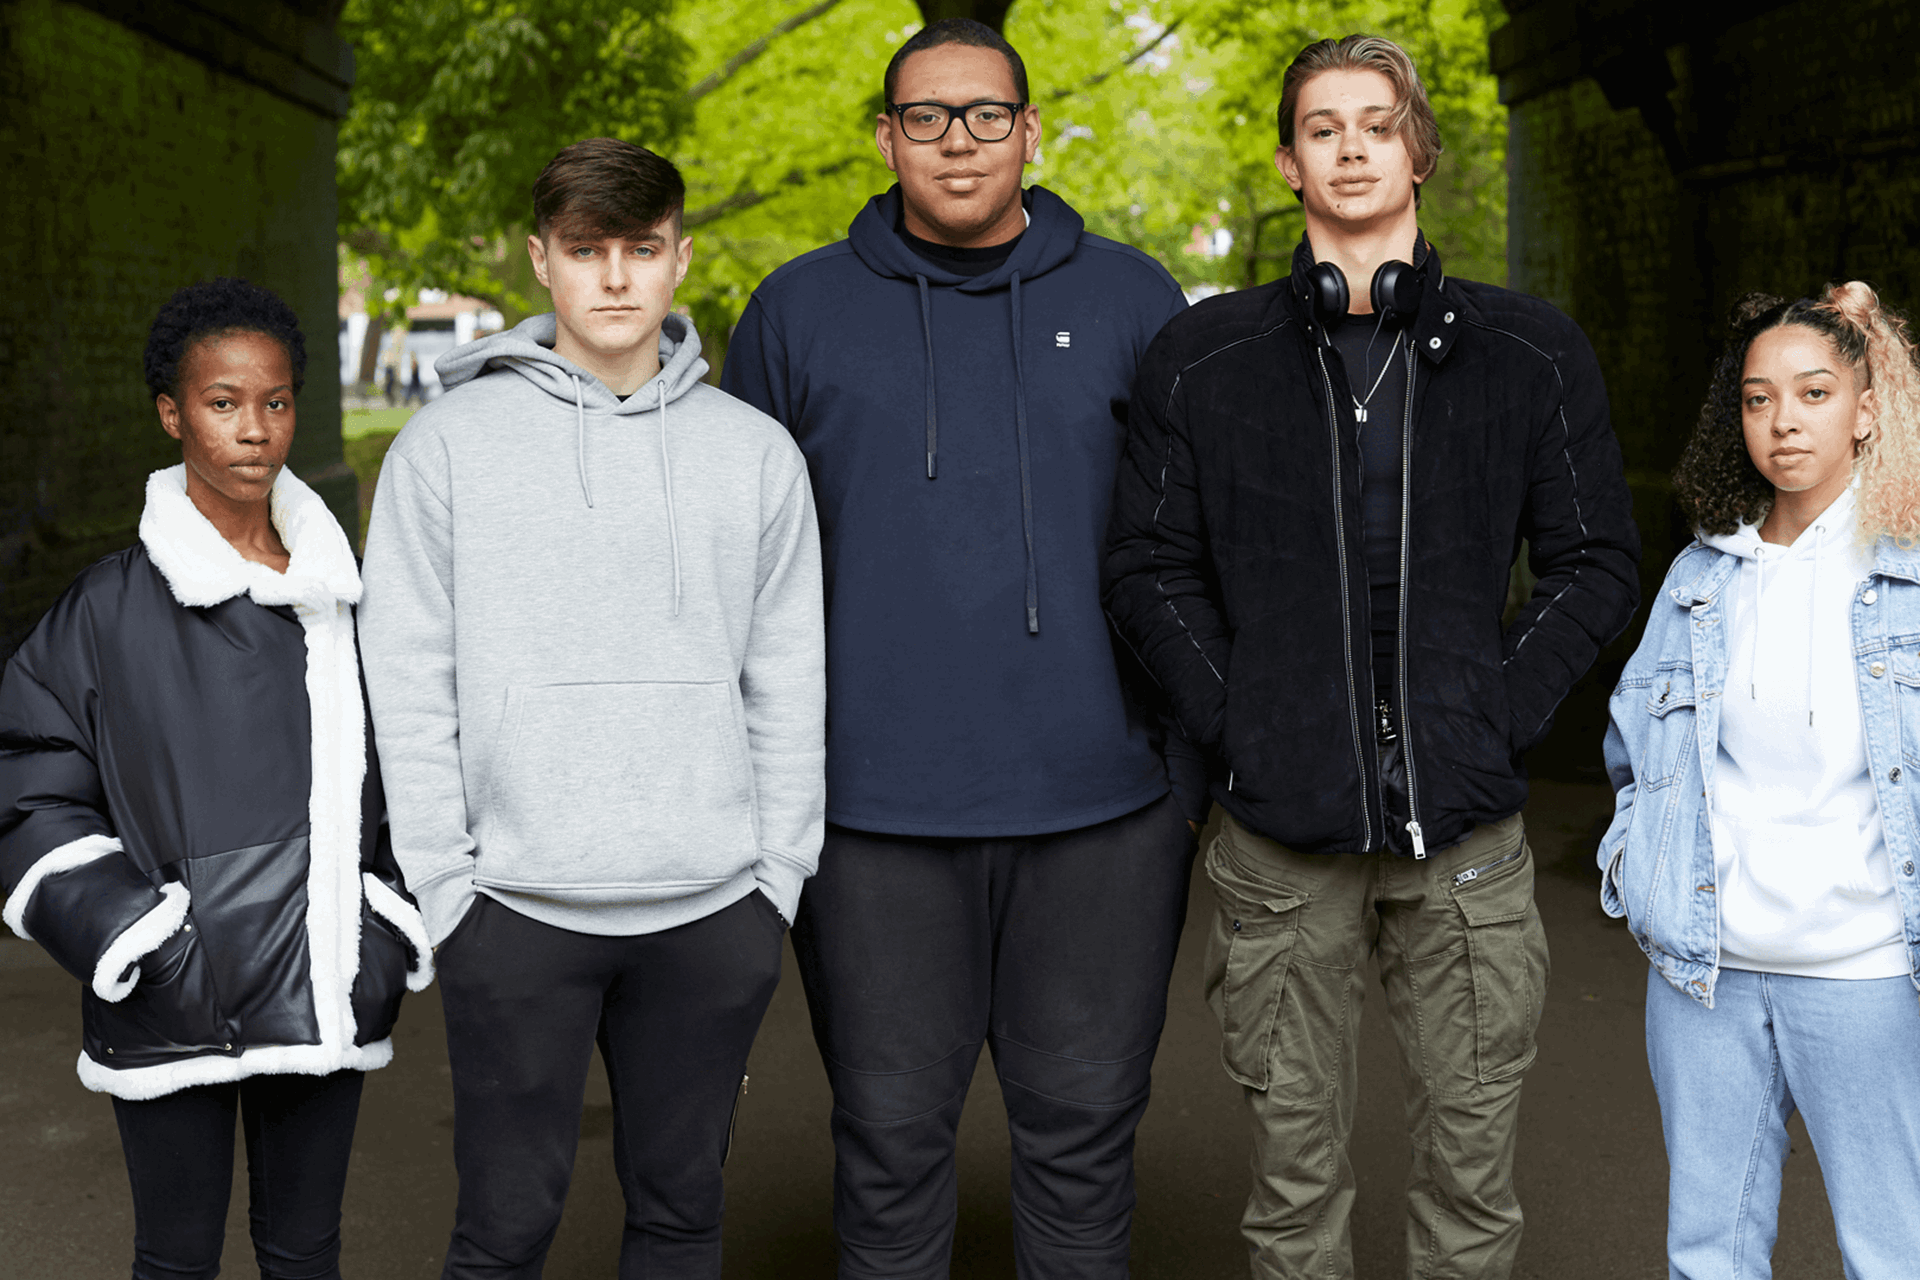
(1463, 958)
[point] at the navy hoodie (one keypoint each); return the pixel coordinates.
(962, 434)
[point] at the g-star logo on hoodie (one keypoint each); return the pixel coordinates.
(1063, 339)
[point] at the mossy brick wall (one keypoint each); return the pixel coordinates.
(1791, 160)
(1800, 167)
(130, 168)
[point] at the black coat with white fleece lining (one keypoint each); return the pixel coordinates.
(1235, 562)
(191, 818)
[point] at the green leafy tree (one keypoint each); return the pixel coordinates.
(1463, 205)
(459, 103)
(1158, 118)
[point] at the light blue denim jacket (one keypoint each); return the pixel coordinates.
(1656, 860)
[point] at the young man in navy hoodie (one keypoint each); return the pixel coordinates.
(1003, 862)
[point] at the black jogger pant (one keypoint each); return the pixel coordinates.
(179, 1149)
(674, 1014)
(1055, 950)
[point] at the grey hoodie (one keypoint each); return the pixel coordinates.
(593, 642)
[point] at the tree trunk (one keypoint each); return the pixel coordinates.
(369, 370)
(991, 12)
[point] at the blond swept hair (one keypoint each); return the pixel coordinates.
(1412, 119)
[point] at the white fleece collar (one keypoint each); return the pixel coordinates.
(203, 568)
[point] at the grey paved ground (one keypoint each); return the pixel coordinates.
(1591, 1172)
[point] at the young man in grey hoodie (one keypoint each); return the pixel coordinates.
(593, 641)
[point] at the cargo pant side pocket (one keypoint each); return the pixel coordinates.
(1507, 957)
(1249, 952)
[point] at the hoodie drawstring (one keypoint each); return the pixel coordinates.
(1020, 432)
(1813, 609)
(933, 418)
(666, 477)
(580, 439)
(1763, 554)
(1026, 467)
(666, 472)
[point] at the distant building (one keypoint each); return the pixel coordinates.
(437, 323)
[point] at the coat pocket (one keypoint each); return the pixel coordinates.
(1905, 670)
(1506, 959)
(627, 791)
(172, 1012)
(251, 907)
(1672, 706)
(381, 980)
(1249, 951)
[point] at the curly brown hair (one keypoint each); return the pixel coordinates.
(1716, 482)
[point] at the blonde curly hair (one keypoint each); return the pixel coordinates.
(1716, 481)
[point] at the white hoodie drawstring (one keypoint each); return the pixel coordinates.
(1816, 550)
(580, 439)
(1813, 607)
(666, 475)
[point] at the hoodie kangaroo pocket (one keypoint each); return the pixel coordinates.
(618, 792)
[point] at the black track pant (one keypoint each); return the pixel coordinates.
(674, 1014)
(1055, 950)
(179, 1148)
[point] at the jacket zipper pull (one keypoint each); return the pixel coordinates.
(1419, 842)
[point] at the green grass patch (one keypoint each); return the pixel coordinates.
(374, 422)
(365, 452)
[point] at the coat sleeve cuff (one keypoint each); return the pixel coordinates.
(1612, 900)
(119, 969)
(74, 853)
(404, 916)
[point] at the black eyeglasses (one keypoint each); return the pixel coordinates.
(986, 121)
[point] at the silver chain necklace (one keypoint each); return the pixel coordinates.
(1359, 405)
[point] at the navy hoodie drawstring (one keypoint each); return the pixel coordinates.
(933, 418)
(580, 439)
(1026, 466)
(1020, 431)
(666, 476)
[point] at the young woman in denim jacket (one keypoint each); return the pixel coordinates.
(1763, 745)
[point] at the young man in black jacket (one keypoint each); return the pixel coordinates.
(1003, 861)
(1324, 486)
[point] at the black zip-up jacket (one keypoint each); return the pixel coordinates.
(191, 817)
(1235, 563)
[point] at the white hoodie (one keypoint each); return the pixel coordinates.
(1805, 885)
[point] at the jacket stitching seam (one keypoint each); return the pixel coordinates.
(1166, 464)
(1573, 473)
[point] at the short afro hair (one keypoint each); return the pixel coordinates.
(963, 31)
(214, 309)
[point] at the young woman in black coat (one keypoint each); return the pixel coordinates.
(191, 820)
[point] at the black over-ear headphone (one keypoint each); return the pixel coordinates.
(1395, 291)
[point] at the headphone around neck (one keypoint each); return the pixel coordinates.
(1395, 291)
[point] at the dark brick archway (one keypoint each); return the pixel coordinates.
(147, 144)
(1664, 159)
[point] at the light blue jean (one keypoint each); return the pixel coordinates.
(1846, 1055)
